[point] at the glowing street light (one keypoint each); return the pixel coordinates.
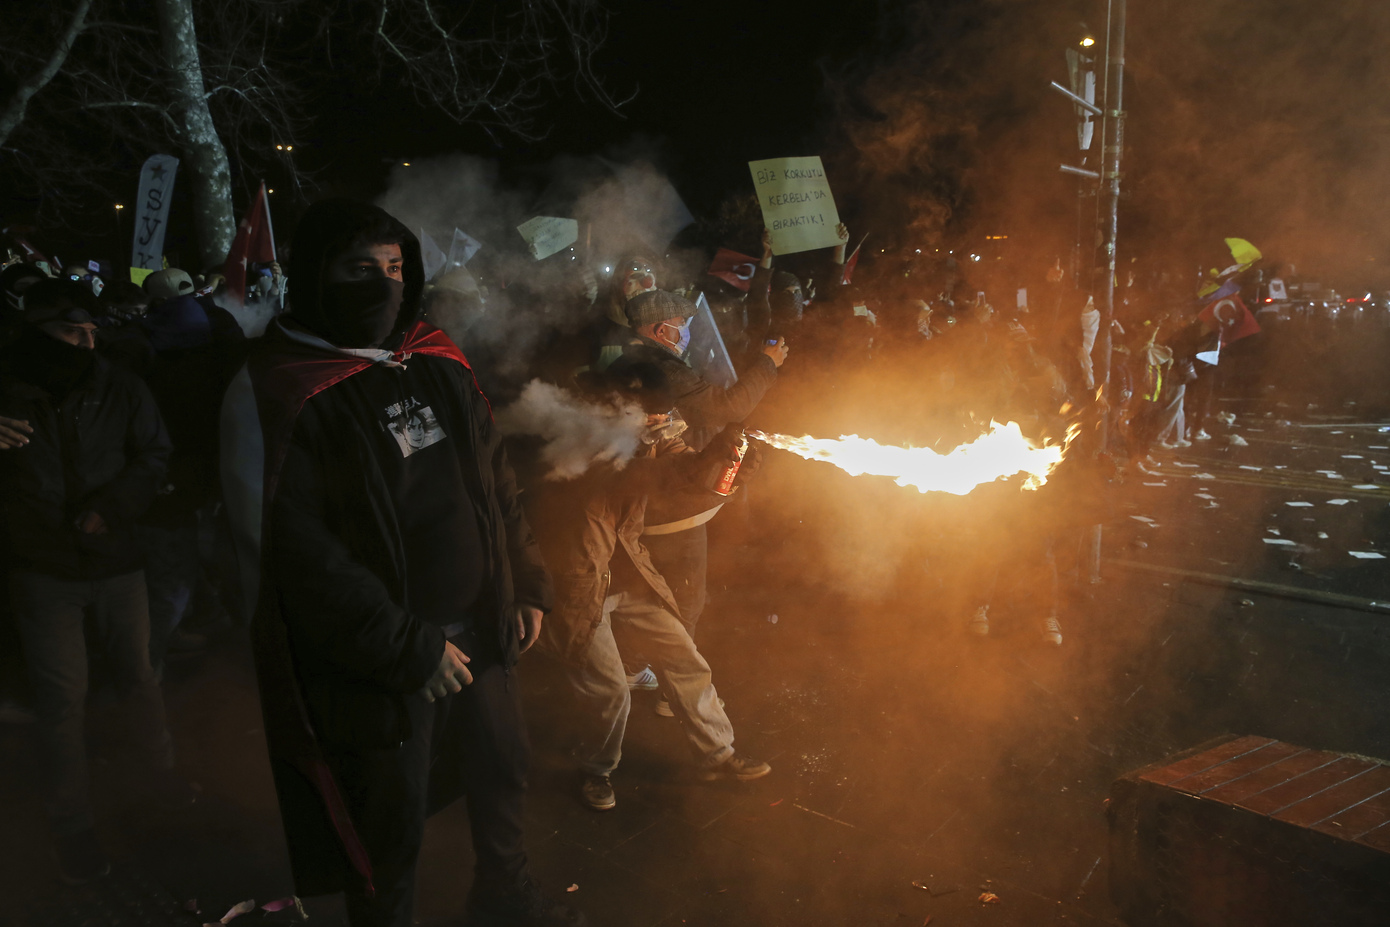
(1087, 42)
(119, 207)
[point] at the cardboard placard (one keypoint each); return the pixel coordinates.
(548, 235)
(797, 206)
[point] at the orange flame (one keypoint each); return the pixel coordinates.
(1001, 452)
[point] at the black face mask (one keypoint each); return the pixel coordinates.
(788, 307)
(52, 365)
(361, 313)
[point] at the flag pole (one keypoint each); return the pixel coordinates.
(269, 226)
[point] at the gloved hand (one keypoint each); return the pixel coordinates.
(723, 447)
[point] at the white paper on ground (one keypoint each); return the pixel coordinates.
(1203, 495)
(1366, 486)
(1366, 555)
(1338, 501)
(1322, 535)
(1283, 542)
(1334, 476)
(1352, 457)
(1248, 467)
(1179, 463)
(1203, 476)
(1155, 484)
(1273, 531)
(1146, 520)
(1299, 505)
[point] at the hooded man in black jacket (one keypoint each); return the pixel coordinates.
(399, 580)
(82, 453)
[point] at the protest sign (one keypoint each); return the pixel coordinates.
(464, 246)
(152, 210)
(797, 206)
(548, 235)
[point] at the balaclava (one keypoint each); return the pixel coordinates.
(786, 306)
(360, 313)
(39, 358)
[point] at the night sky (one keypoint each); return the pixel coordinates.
(1266, 121)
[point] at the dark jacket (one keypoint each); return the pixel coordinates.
(705, 407)
(337, 649)
(102, 448)
(188, 375)
(584, 523)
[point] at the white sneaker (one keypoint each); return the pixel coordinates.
(643, 679)
(1201, 436)
(1182, 442)
(1163, 444)
(1052, 631)
(979, 622)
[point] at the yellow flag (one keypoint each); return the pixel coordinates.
(1243, 251)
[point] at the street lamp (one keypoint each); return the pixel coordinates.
(1087, 42)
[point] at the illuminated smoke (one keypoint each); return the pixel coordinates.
(577, 434)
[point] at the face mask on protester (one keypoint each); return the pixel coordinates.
(638, 277)
(788, 305)
(682, 336)
(361, 313)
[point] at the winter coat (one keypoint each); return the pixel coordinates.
(336, 650)
(582, 525)
(103, 448)
(705, 407)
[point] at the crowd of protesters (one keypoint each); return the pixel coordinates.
(332, 479)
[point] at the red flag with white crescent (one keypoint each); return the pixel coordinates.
(254, 243)
(1229, 316)
(733, 268)
(850, 264)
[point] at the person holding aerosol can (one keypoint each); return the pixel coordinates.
(676, 522)
(606, 582)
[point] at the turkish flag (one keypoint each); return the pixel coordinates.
(1229, 316)
(733, 268)
(254, 243)
(850, 264)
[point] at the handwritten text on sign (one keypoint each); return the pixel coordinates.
(796, 202)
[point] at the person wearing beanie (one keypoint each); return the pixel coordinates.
(395, 580)
(72, 497)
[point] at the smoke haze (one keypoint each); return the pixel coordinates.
(577, 434)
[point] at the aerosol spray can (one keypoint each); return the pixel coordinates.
(723, 478)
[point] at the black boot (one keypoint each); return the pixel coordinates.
(521, 904)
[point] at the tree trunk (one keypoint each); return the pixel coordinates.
(18, 103)
(205, 162)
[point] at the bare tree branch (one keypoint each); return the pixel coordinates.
(19, 100)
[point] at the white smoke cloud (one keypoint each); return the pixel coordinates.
(577, 434)
(528, 304)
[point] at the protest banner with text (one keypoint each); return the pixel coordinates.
(797, 206)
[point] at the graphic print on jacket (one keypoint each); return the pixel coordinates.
(413, 425)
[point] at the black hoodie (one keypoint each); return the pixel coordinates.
(327, 229)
